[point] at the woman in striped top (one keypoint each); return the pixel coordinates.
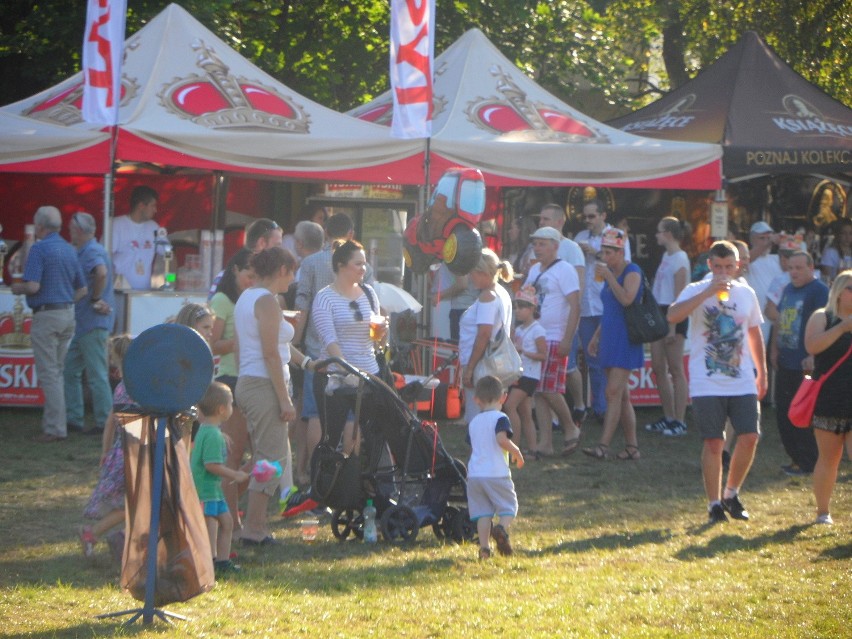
(341, 316)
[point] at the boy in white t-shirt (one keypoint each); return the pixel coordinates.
(530, 339)
(727, 374)
(490, 490)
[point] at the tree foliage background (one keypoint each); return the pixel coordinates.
(625, 53)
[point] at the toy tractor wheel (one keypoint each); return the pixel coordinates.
(415, 259)
(462, 250)
(347, 522)
(399, 523)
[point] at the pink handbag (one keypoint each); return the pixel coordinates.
(801, 411)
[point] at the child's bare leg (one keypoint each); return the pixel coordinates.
(212, 530)
(483, 528)
(111, 519)
(527, 423)
(223, 539)
(511, 409)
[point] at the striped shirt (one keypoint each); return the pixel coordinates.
(337, 319)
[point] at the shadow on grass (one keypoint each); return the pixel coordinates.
(724, 544)
(609, 542)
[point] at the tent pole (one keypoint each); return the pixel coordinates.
(109, 183)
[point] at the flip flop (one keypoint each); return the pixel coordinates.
(630, 453)
(570, 447)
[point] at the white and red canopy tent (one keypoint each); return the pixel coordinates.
(30, 145)
(189, 100)
(488, 114)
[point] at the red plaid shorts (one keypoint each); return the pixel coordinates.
(553, 371)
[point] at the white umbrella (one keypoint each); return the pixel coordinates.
(394, 299)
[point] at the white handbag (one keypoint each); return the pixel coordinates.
(501, 360)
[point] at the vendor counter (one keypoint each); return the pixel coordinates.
(135, 312)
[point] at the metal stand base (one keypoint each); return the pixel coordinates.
(147, 615)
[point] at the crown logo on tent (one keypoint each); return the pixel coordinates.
(515, 114)
(66, 106)
(219, 100)
(15, 327)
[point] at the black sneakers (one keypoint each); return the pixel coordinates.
(717, 515)
(735, 508)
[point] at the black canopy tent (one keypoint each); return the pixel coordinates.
(768, 119)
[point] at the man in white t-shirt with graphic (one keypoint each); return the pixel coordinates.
(134, 239)
(558, 289)
(591, 307)
(727, 374)
(553, 216)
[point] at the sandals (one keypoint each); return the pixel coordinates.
(630, 453)
(599, 452)
(570, 447)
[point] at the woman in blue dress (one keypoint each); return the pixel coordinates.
(617, 356)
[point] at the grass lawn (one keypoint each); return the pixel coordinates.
(617, 549)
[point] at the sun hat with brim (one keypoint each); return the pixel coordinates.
(547, 233)
(789, 244)
(527, 295)
(613, 238)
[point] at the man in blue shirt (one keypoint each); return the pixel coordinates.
(52, 282)
(801, 297)
(95, 318)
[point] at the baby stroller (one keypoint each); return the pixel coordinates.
(403, 467)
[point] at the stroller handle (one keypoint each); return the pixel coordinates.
(349, 368)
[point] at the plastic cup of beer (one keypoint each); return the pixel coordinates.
(599, 278)
(378, 326)
(724, 295)
(310, 528)
(17, 278)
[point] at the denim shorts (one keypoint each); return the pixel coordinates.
(309, 400)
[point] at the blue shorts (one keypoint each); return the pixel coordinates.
(309, 400)
(215, 507)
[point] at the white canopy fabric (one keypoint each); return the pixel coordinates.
(189, 100)
(31, 145)
(488, 114)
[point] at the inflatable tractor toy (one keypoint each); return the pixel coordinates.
(447, 230)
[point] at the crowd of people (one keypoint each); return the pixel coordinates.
(754, 317)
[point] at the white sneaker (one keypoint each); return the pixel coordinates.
(824, 519)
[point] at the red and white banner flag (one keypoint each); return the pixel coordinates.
(412, 53)
(103, 49)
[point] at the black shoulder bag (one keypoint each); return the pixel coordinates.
(644, 318)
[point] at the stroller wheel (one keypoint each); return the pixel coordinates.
(443, 528)
(462, 529)
(347, 522)
(399, 523)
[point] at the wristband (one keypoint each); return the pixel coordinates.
(306, 360)
(95, 300)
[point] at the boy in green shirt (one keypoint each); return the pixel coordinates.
(208, 468)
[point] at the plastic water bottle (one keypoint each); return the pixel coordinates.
(371, 535)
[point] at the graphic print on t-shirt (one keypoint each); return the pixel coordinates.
(724, 336)
(790, 325)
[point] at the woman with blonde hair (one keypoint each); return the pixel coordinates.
(828, 337)
(482, 321)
